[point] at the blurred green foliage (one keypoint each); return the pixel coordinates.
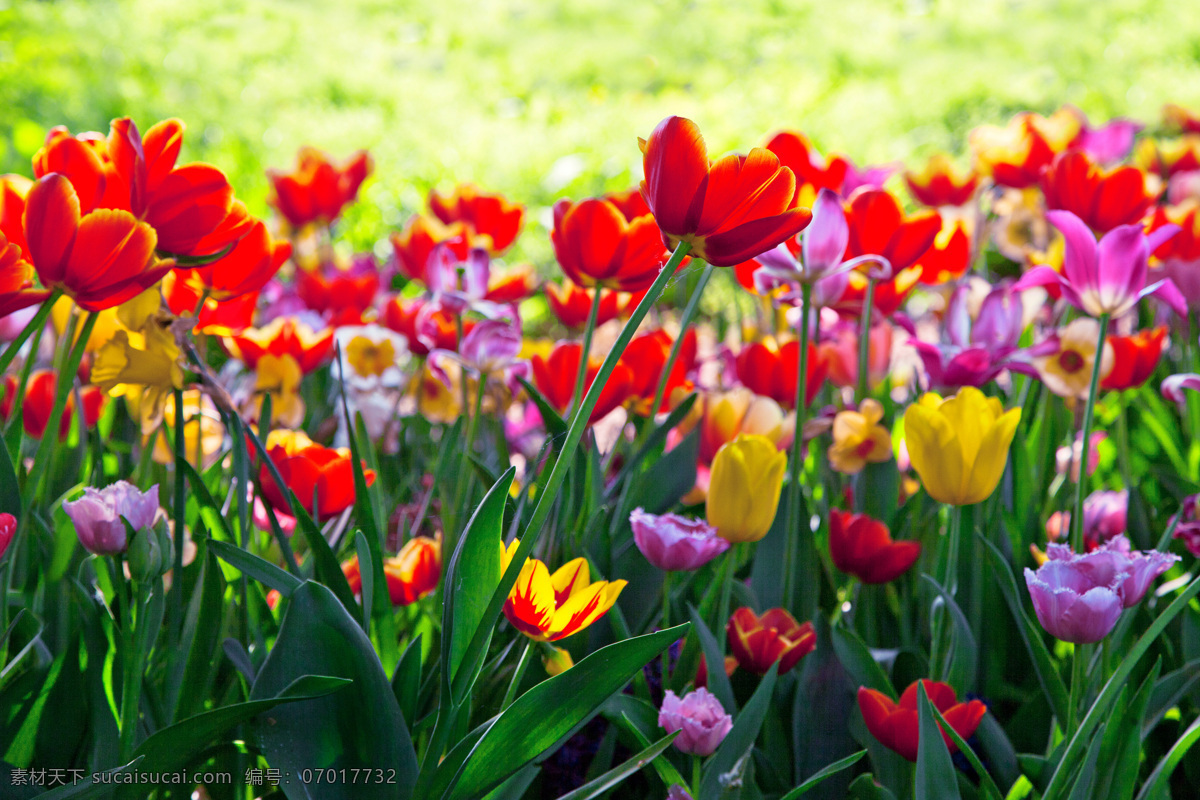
(544, 98)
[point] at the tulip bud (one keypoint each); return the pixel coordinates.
(743, 493)
(556, 660)
(145, 555)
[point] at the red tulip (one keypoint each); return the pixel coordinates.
(415, 242)
(889, 294)
(310, 470)
(758, 642)
(879, 226)
(1016, 154)
(488, 216)
(948, 257)
(252, 262)
(863, 547)
(646, 356)
(797, 153)
(941, 183)
(13, 190)
(38, 401)
(730, 210)
(318, 189)
(768, 368)
(328, 287)
(597, 246)
(555, 378)
(217, 317)
(283, 336)
(401, 314)
(1134, 358)
(895, 725)
(17, 290)
(1102, 198)
(572, 304)
(411, 574)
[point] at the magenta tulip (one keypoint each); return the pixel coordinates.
(671, 542)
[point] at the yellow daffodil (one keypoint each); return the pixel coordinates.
(548, 607)
(959, 445)
(743, 493)
(142, 357)
(105, 328)
(858, 438)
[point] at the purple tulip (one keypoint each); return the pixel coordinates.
(701, 718)
(671, 542)
(1078, 598)
(1112, 141)
(100, 515)
(1173, 386)
(821, 252)
(1187, 527)
(1104, 517)
(490, 348)
(1109, 277)
(872, 176)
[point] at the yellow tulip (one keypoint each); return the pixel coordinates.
(959, 445)
(743, 493)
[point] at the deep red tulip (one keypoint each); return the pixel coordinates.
(317, 189)
(597, 246)
(863, 547)
(758, 642)
(555, 378)
(730, 210)
(1102, 198)
(494, 220)
(1134, 358)
(572, 304)
(101, 258)
(896, 726)
(768, 368)
(38, 401)
(252, 262)
(941, 183)
(310, 470)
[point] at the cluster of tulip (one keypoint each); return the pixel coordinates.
(910, 386)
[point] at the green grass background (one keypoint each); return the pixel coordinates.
(545, 98)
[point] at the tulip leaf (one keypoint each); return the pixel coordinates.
(857, 660)
(985, 779)
(556, 427)
(935, 773)
(1043, 665)
(1100, 708)
(545, 715)
(358, 727)
(827, 772)
(736, 747)
(670, 478)
(714, 663)
(600, 785)
(256, 567)
(653, 442)
(201, 630)
(824, 699)
(1168, 691)
(865, 788)
(880, 491)
(1120, 752)
(210, 512)
(174, 748)
(1087, 776)
(366, 572)
(958, 668)
(406, 680)
(467, 591)
(10, 494)
(1155, 787)
(326, 568)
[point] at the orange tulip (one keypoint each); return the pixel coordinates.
(310, 470)
(948, 257)
(1134, 358)
(813, 172)
(38, 401)
(284, 336)
(572, 304)
(646, 356)
(411, 574)
(1168, 157)
(1102, 198)
(768, 368)
(415, 242)
(318, 189)
(252, 262)
(730, 210)
(758, 642)
(941, 183)
(490, 217)
(13, 190)
(548, 607)
(556, 374)
(597, 246)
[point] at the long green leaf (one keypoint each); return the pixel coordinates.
(258, 568)
(857, 660)
(989, 786)
(959, 667)
(1155, 787)
(608, 780)
(935, 774)
(1087, 776)
(87, 788)
(545, 714)
(714, 663)
(831, 770)
(326, 568)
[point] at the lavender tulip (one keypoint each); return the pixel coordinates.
(1109, 277)
(671, 542)
(1187, 526)
(490, 348)
(100, 515)
(700, 716)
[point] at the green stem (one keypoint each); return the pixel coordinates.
(1079, 661)
(39, 320)
(689, 313)
(175, 605)
(131, 666)
(1123, 459)
(585, 349)
(695, 776)
(547, 495)
(514, 685)
(1077, 515)
(864, 343)
(464, 464)
(727, 569)
(798, 531)
(666, 593)
(941, 622)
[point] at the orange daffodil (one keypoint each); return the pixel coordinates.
(548, 607)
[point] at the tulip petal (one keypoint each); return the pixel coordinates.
(530, 606)
(675, 160)
(52, 215)
(1080, 265)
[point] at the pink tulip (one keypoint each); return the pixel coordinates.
(701, 718)
(100, 515)
(671, 542)
(8, 529)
